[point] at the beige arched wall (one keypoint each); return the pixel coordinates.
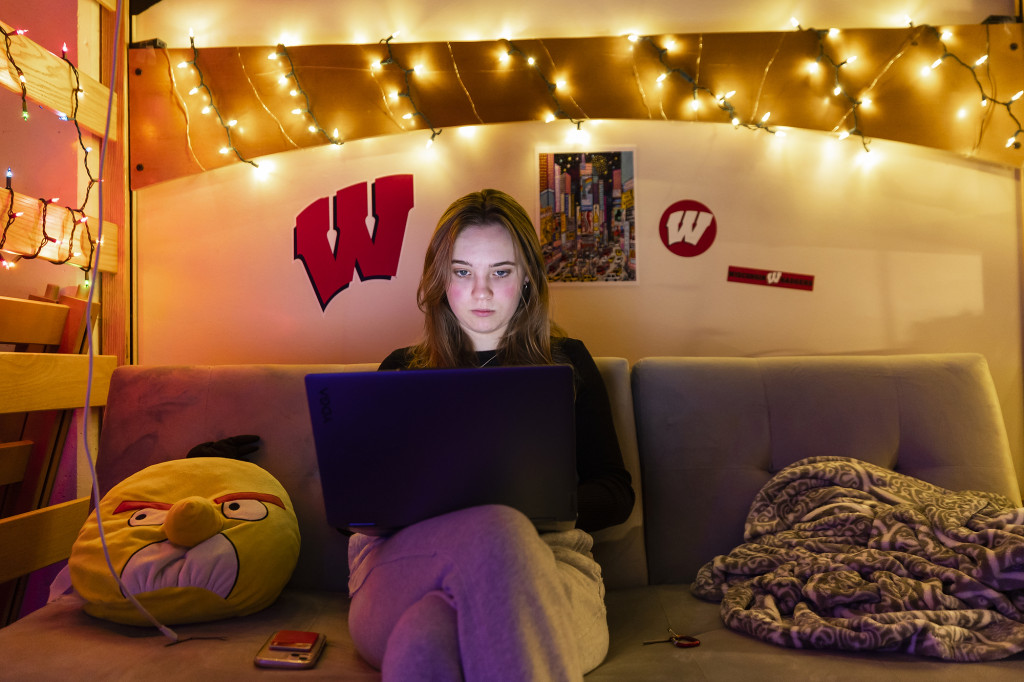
(912, 250)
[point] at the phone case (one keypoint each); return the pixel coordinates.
(293, 649)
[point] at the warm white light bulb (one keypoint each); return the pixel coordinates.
(264, 170)
(981, 60)
(813, 67)
(578, 136)
(549, 118)
(297, 111)
(531, 61)
(833, 32)
(794, 23)
(1020, 93)
(633, 37)
(767, 115)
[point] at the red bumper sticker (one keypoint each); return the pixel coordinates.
(771, 278)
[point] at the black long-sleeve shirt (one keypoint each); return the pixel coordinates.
(605, 495)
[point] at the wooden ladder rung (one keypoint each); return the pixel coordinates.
(36, 539)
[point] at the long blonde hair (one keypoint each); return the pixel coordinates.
(527, 340)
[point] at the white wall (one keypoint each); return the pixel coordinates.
(912, 250)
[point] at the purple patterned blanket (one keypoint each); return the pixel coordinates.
(842, 554)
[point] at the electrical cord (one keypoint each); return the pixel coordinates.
(167, 632)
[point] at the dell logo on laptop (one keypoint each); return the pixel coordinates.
(325, 406)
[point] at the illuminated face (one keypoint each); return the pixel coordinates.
(485, 284)
(192, 539)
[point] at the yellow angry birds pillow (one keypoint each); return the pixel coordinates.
(193, 539)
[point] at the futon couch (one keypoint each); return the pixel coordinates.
(701, 437)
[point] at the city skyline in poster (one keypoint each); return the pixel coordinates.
(587, 216)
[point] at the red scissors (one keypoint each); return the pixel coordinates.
(681, 641)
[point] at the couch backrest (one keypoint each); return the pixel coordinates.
(620, 549)
(155, 414)
(712, 431)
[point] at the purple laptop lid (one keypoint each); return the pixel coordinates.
(398, 447)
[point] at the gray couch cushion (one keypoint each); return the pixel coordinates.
(61, 642)
(620, 549)
(639, 615)
(712, 431)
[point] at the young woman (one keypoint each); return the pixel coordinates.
(478, 594)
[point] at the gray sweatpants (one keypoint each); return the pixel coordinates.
(478, 595)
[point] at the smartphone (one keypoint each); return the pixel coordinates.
(291, 649)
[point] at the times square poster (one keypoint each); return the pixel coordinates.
(587, 216)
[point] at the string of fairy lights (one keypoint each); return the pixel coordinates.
(407, 73)
(17, 69)
(202, 87)
(76, 216)
(721, 100)
(850, 124)
(986, 99)
(292, 77)
(552, 87)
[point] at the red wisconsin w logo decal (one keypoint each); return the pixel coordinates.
(374, 256)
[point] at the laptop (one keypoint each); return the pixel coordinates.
(397, 447)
